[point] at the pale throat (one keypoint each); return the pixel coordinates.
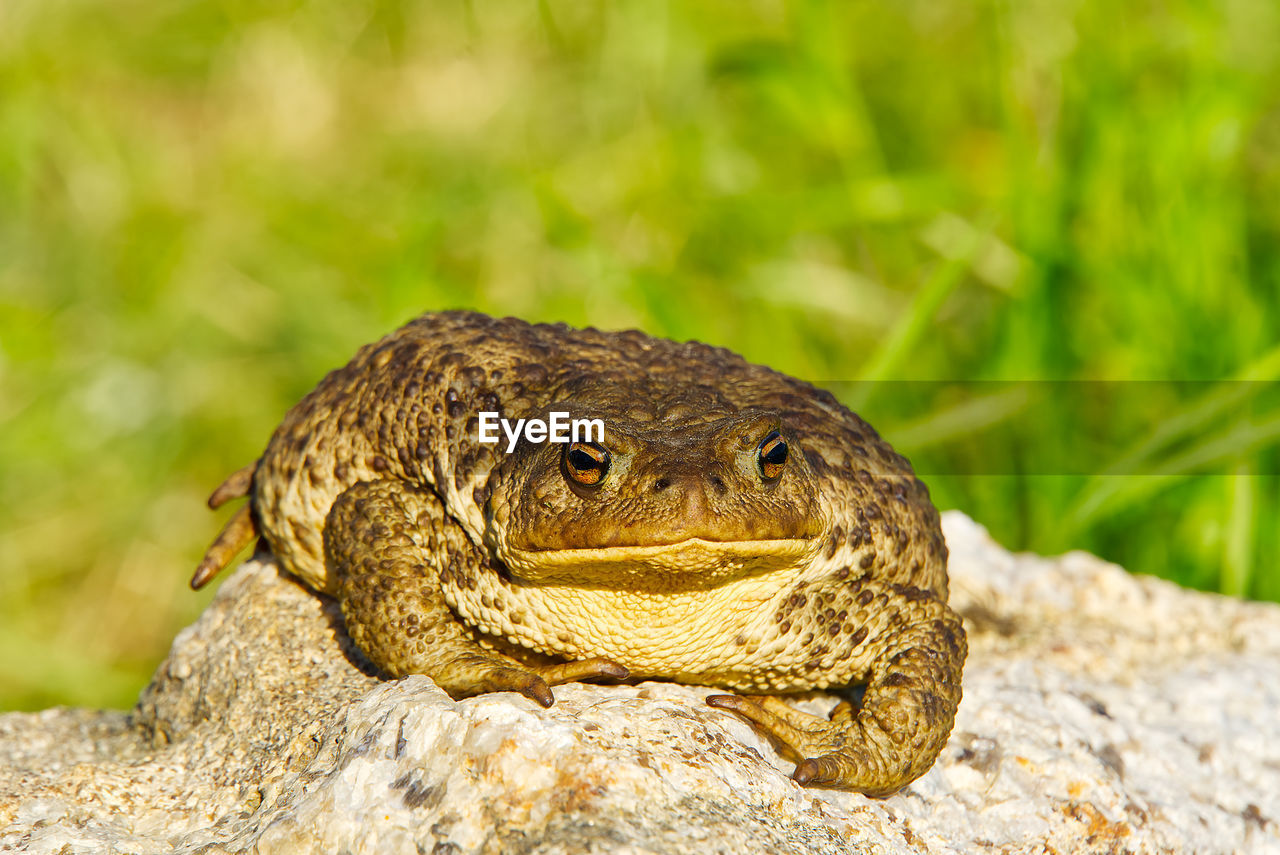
(655, 631)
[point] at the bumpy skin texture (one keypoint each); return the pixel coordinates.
(491, 571)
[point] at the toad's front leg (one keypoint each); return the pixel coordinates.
(385, 545)
(906, 714)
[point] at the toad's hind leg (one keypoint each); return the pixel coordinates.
(385, 545)
(239, 531)
(905, 717)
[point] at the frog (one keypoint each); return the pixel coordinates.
(728, 526)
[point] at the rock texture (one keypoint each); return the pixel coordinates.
(1102, 713)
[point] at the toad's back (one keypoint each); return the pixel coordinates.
(407, 408)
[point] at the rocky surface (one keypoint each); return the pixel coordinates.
(1103, 713)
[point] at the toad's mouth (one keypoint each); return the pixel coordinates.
(694, 562)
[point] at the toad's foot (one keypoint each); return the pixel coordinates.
(822, 747)
(894, 737)
(470, 673)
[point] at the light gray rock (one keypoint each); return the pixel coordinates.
(1103, 712)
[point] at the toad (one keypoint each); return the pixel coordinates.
(730, 527)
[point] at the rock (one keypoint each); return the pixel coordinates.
(1103, 712)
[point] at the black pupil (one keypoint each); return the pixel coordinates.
(579, 459)
(777, 453)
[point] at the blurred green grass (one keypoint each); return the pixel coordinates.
(206, 205)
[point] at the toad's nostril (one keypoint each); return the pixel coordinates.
(718, 483)
(660, 485)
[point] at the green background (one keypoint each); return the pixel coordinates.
(206, 205)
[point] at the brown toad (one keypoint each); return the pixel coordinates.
(734, 527)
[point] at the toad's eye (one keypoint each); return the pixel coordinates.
(772, 454)
(586, 463)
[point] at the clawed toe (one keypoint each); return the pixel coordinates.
(828, 769)
(595, 668)
(817, 744)
(523, 682)
(806, 772)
